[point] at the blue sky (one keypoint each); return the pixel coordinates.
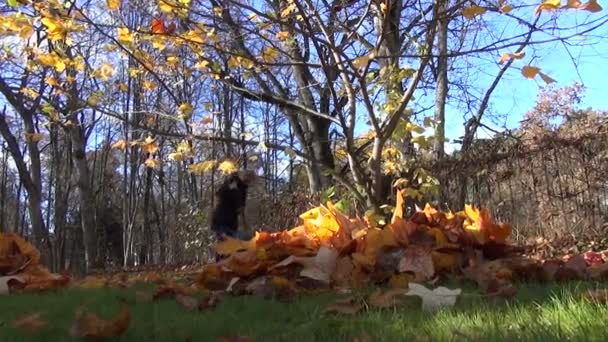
(586, 62)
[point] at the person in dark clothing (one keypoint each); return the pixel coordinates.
(231, 199)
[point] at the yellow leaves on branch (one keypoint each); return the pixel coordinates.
(473, 11)
(531, 72)
(553, 5)
(202, 167)
(16, 24)
(52, 60)
(362, 62)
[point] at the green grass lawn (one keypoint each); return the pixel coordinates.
(538, 312)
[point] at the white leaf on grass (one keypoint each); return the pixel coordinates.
(434, 299)
(4, 283)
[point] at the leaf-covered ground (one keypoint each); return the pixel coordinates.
(538, 312)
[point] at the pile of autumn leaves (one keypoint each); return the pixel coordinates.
(330, 249)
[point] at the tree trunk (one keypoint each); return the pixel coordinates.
(88, 211)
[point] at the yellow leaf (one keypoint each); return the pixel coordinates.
(270, 55)
(231, 246)
(54, 28)
(33, 137)
(176, 156)
(361, 62)
(125, 36)
(113, 5)
(158, 43)
(227, 167)
(149, 85)
(185, 111)
(549, 5)
(202, 167)
(283, 35)
(506, 56)
(184, 147)
(473, 11)
(152, 163)
(530, 71)
(202, 65)
(149, 145)
(120, 144)
(52, 81)
(288, 10)
(165, 6)
(59, 65)
(506, 8)
(105, 71)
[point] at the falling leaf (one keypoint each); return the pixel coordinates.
(113, 5)
(546, 78)
(506, 56)
(30, 323)
(120, 144)
(89, 325)
(149, 145)
(529, 71)
(592, 6)
(473, 11)
(434, 299)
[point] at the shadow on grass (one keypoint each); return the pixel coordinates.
(545, 312)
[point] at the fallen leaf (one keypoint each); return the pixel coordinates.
(4, 286)
(187, 302)
(434, 299)
(30, 323)
(385, 300)
(89, 325)
(418, 260)
(209, 301)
